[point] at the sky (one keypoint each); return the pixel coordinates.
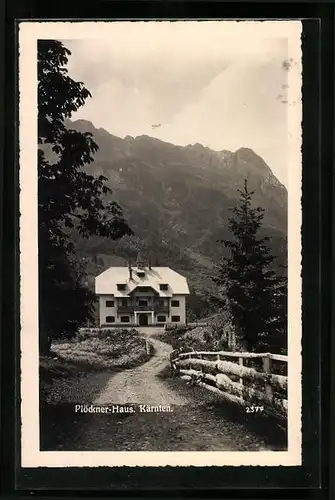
(223, 87)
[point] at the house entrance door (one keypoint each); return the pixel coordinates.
(143, 319)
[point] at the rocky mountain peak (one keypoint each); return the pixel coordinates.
(183, 193)
(247, 155)
(177, 200)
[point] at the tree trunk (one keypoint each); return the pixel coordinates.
(45, 344)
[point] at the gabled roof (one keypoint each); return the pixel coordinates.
(106, 283)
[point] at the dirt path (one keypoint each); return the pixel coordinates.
(141, 385)
(194, 422)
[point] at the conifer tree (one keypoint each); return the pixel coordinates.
(256, 294)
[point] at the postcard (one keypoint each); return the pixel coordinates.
(160, 243)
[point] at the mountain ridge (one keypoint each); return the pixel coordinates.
(243, 150)
(177, 200)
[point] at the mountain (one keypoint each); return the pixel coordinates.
(177, 200)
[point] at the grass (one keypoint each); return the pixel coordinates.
(104, 349)
(189, 338)
(80, 368)
(174, 337)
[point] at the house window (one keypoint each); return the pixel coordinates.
(124, 302)
(163, 286)
(140, 274)
(124, 319)
(121, 286)
(143, 303)
(109, 303)
(175, 319)
(161, 319)
(161, 302)
(175, 303)
(110, 319)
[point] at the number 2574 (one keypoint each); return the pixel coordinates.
(254, 409)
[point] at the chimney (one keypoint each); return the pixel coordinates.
(140, 261)
(130, 271)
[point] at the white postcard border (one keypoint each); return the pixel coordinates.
(29, 33)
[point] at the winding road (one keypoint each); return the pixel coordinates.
(142, 385)
(193, 423)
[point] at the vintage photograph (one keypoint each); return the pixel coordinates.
(160, 253)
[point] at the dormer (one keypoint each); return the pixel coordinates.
(121, 287)
(140, 273)
(163, 287)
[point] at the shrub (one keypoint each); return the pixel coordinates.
(103, 348)
(102, 333)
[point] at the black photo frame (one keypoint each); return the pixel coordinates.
(312, 479)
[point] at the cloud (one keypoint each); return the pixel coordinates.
(216, 86)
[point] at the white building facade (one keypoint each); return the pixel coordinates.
(141, 295)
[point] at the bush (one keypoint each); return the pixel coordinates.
(103, 349)
(172, 336)
(103, 333)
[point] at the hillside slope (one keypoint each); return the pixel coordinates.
(177, 201)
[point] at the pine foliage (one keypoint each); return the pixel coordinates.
(256, 294)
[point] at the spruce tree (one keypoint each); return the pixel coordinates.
(256, 295)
